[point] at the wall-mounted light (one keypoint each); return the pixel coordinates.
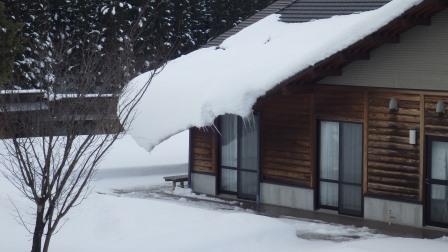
(440, 108)
(413, 136)
(393, 104)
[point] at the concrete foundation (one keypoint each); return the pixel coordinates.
(202, 183)
(287, 196)
(393, 212)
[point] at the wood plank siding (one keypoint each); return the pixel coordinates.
(334, 103)
(286, 151)
(393, 163)
(393, 168)
(33, 114)
(435, 124)
(204, 150)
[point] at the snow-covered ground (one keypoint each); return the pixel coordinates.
(125, 153)
(113, 219)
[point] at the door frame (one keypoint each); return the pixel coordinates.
(318, 205)
(429, 181)
(219, 165)
(238, 169)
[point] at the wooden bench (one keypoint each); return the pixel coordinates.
(175, 179)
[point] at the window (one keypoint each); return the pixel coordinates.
(239, 155)
(340, 167)
(437, 207)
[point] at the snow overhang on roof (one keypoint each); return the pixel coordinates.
(196, 88)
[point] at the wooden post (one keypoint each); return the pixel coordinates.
(422, 148)
(215, 150)
(313, 139)
(365, 141)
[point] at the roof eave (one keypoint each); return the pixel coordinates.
(418, 15)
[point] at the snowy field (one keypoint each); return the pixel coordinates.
(120, 215)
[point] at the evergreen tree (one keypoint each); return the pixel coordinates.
(9, 46)
(155, 28)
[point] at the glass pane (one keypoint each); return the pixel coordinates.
(329, 150)
(249, 144)
(351, 199)
(439, 203)
(439, 160)
(229, 147)
(329, 194)
(248, 183)
(228, 180)
(351, 153)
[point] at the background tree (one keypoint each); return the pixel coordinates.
(175, 27)
(9, 45)
(56, 137)
(75, 50)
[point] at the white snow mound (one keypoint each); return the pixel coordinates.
(194, 89)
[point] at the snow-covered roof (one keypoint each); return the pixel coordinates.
(296, 11)
(194, 89)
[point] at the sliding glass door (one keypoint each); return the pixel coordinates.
(437, 183)
(340, 167)
(248, 158)
(239, 156)
(329, 165)
(229, 153)
(351, 169)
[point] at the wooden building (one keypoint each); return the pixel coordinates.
(363, 132)
(31, 113)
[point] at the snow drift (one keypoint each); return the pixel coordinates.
(196, 88)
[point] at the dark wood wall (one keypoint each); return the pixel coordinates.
(288, 123)
(393, 168)
(286, 137)
(341, 104)
(203, 150)
(33, 114)
(393, 163)
(435, 124)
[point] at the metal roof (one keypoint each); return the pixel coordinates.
(307, 10)
(294, 11)
(271, 9)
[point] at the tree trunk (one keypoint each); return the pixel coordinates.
(38, 231)
(47, 241)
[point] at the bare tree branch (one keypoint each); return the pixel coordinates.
(57, 138)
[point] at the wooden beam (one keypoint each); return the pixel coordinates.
(422, 148)
(313, 135)
(382, 38)
(331, 72)
(424, 20)
(286, 90)
(361, 55)
(365, 141)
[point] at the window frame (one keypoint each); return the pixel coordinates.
(429, 181)
(238, 169)
(339, 181)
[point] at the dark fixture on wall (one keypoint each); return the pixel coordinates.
(393, 104)
(440, 107)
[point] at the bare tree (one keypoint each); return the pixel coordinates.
(54, 138)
